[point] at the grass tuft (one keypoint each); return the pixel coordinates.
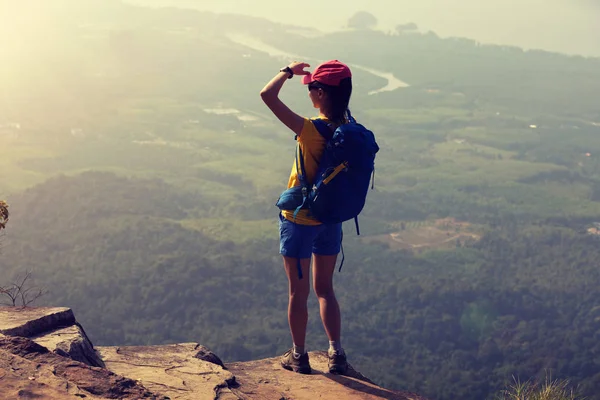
(531, 390)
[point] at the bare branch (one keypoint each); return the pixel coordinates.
(23, 281)
(12, 293)
(20, 290)
(30, 299)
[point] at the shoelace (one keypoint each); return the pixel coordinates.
(336, 353)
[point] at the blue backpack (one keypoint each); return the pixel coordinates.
(345, 170)
(342, 181)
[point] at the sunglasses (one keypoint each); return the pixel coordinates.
(315, 85)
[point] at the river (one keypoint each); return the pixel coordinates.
(393, 82)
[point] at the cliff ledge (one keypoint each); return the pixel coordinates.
(46, 354)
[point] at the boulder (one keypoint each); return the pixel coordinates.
(54, 328)
(71, 342)
(203, 353)
(28, 371)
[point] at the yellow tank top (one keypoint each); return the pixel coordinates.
(312, 144)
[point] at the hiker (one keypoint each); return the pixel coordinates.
(301, 235)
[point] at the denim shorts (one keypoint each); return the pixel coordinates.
(301, 241)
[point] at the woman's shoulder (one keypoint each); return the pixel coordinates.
(310, 131)
(319, 118)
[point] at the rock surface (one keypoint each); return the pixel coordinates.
(265, 380)
(45, 354)
(53, 328)
(172, 370)
(30, 371)
(28, 322)
(21, 378)
(73, 342)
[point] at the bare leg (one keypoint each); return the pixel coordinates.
(323, 268)
(299, 290)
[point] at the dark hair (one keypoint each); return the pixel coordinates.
(338, 98)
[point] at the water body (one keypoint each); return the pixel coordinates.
(393, 82)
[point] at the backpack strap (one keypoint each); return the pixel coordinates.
(350, 117)
(373, 179)
(343, 255)
(323, 128)
(301, 173)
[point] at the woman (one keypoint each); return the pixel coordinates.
(302, 236)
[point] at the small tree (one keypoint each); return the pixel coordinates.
(21, 292)
(3, 215)
(362, 20)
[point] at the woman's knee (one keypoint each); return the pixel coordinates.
(324, 291)
(299, 291)
(324, 267)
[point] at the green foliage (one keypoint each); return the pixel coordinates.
(3, 214)
(135, 273)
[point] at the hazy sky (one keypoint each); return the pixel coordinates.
(569, 26)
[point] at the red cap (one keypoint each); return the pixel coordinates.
(329, 73)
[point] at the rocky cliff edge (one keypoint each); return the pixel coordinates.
(46, 354)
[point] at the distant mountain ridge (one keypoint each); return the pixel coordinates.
(566, 27)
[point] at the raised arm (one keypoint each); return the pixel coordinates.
(270, 96)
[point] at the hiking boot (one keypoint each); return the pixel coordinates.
(337, 362)
(291, 363)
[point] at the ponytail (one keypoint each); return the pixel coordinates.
(338, 99)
